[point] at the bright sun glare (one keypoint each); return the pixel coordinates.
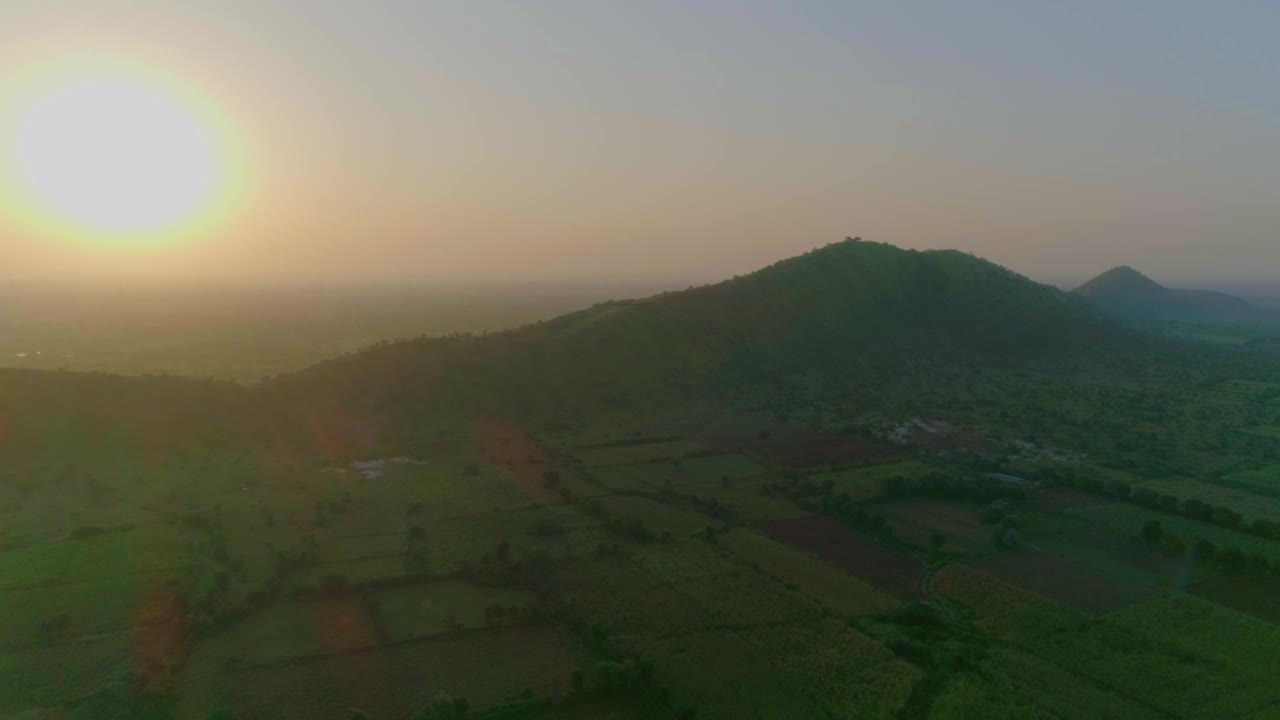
(112, 153)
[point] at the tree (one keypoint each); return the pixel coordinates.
(1119, 488)
(1230, 557)
(1145, 496)
(1006, 537)
(1197, 508)
(1152, 532)
(1226, 517)
(1205, 550)
(547, 527)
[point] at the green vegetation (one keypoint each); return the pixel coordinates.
(862, 483)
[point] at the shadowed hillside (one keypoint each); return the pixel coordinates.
(848, 308)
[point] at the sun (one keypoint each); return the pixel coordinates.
(113, 152)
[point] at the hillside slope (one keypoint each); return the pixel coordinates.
(845, 308)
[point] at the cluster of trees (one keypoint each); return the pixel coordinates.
(608, 679)
(611, 678)
(712, 506)
(325, 509)
(963, 488)
(536, 570)
(821, 496)
(1226, 557)
(1193, 508)
(416, 556)
(626, 528)
(208, 590)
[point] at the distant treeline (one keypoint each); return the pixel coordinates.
(1193, 508)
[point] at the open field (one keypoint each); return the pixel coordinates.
(642, 477)
(47, 677)
(743, 597)
(110, 554)
(1060, 579)
(1250, 505)
(917, 521)
(825, 450)
(688, 475)
(885, 568)
(1001, 609)
(864, 483)
(91, 607)
(972, 696)
(1128, 520)
(846, 673)
(745, 500)
(483, 667)
(680, 560)
(299, 630)
(1017, 684)
(526, 464)
(657, 517)
(755, 688)
(629, 602)
(829, 585)
(1250, 594)
(629, 452)
(1170, 635)
(1178, 678)
(1262, 481)
(1057, 499)
(421, 611)
(1123, 559)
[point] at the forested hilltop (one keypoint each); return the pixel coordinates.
(852, 311)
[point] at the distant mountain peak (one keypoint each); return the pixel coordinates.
(1122, 281)
(1124, 293)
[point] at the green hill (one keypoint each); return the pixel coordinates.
(847, 308)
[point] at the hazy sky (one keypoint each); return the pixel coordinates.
(645, 139)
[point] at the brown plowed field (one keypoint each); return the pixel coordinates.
(1060, 579)
(511, 449)
(889, 569)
